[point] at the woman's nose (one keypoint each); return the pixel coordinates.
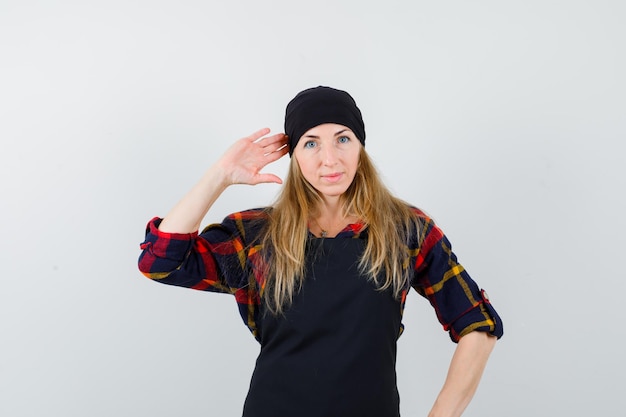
(329, 155)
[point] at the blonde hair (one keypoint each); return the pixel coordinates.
(389, 222)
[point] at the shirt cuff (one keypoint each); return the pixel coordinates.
(174, 246)
(482, 317)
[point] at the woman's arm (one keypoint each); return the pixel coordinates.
(241, 164)
(466, 369)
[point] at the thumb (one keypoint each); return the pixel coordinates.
(265, 178)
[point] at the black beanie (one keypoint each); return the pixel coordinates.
(319, 105)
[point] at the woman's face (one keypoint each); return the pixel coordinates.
(328, 156)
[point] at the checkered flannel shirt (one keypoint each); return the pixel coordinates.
(228, 258)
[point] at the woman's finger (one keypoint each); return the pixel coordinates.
(277, 153)
(274, 147)
(258, 134)
(273, 142)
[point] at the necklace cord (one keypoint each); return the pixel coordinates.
(324, 233)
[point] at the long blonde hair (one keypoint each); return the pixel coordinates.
(389, 223)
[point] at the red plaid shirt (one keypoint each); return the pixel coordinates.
(228, 258)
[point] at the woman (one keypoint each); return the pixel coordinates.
(321, 277)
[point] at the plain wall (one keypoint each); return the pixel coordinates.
(503, 120)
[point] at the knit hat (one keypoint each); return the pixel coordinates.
(319, 105)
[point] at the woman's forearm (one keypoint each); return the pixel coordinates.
(188, 213)
(466, 369)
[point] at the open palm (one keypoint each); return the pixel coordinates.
(245, 159)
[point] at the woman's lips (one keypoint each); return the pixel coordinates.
(334, 177)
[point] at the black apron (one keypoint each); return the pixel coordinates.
(333, 352)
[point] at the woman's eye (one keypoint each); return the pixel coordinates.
(343, 139)
(309, 144)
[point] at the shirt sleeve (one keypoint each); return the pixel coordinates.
(461, 306)
(214, 260)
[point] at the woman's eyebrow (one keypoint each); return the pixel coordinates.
(336, 134)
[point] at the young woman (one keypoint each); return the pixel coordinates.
(321, 277)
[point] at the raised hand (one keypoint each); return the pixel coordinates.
(241, 164)
(243, 161)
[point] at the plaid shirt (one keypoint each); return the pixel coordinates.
(227, 257)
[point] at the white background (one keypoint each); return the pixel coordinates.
(505, 120)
